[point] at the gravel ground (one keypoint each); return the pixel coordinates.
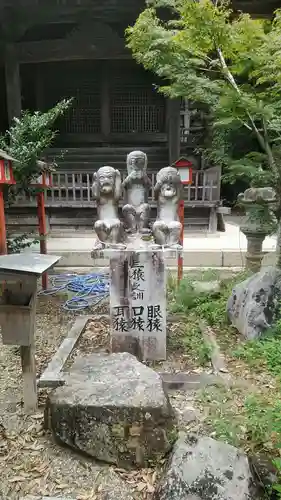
(96, 338)
(30, 462)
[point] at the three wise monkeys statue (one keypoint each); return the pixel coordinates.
(108, 189)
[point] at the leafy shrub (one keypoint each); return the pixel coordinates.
(26, 141)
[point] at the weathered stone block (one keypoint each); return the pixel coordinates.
(254, 305)
(113, 408)
(205, 469)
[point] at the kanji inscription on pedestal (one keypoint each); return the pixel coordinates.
(139, 318)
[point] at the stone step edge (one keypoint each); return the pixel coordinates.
(192, 258)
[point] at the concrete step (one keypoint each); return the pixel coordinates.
(191, 259)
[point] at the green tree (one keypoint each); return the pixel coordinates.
(232, 64)
(26, 141)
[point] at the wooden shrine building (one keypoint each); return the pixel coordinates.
(54, 49)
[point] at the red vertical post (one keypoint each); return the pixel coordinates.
(3, 236)
(42, 231)
(180, 257)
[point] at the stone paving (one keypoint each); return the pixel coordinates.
(200, 250)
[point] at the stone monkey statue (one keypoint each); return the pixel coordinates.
(107, 190)
(136, 186)
(167, 227)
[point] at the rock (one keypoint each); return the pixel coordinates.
(201, 468)
(212, 287)
(113, 408)
(189, 415)
(254, 305)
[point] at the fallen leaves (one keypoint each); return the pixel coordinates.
(143, 481)
(89, 496)
(96, 337)
(4, 445)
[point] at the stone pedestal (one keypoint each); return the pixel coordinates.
(260, 220)
(138, 303)
(254, 254)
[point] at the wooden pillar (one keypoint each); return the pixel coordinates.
(105, 100)
(13, 84)
(39, 88)
(173, 124)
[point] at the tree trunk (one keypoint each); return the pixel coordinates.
(278, 245)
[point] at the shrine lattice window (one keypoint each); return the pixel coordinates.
(82, 82)
(136, 106)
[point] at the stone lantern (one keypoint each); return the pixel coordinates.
(259, 204)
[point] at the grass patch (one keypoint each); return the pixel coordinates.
(247, 415)
(187, 338)
(192, 305)
(209, 304)
(219, 405)
(250, 421)
(263, 354)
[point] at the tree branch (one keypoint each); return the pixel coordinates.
(263, 141)
(268, 148)
(234, 85)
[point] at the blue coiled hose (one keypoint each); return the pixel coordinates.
(89, 289)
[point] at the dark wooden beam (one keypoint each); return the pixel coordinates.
(97, 9)
(57, 50)
(96, 5)
(173, 124)
(89, 40)
(39, 88)
(13, 83)
(107, 6)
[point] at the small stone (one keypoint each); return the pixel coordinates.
(204, 469)
(102, 409)
(212, 287)
(190, 415)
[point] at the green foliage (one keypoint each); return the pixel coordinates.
(263, 421)
(263, 353)
(209, 305)
(26, 141)
(232, 64)
(251, 421)
(186, 297)
(194, 345)
(277, 487)
(17, 243)
(28, 138)
(192, 304)
(220, 408)
(187, 340)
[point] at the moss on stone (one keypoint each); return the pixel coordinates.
(118, 430)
